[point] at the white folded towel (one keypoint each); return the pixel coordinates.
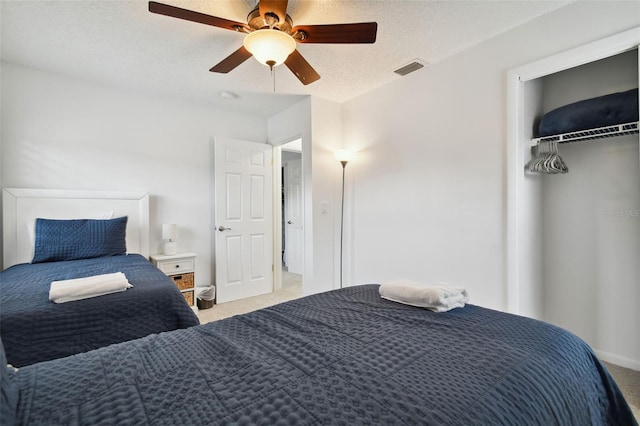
(434, 298)
(84, 288)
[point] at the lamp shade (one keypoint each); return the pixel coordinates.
(169, 231)
(344, 155)
(269, 47)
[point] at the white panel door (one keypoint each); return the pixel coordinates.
(243, 219)
(294, 235)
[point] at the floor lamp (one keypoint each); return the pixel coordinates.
(343, 157)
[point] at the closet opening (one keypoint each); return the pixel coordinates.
(591, 218)
(574, 238)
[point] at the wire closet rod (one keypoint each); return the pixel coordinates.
(591, 134)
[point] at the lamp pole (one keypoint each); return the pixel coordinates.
(343, 156)
(344, 166)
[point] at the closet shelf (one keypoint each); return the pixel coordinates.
(591, 134)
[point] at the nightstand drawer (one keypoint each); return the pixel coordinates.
(183, 281)
(176, 267)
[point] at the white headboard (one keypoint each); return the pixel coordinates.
(21, 207)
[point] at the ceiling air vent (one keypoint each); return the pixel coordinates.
(410, 67)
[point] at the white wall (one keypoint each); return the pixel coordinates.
(68, 134)
(429, 184)
(592, 221)
(326, 126)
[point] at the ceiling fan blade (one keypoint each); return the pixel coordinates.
(364, 32)
(190, 15)
(301, 68)
(277, 7)
(232, 61)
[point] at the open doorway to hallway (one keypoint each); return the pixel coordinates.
(292, 215)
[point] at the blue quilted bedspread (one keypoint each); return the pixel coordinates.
(35, 329)
(342, 357)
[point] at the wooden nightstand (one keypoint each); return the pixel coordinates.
(180, 268)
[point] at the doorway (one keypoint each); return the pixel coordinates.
(292, 207)
(528, 251)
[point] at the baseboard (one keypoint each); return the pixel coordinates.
(618, 360)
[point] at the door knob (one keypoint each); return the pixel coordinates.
(289, 222)
(222, 228)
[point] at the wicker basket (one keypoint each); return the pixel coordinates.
(183, 281)
(188, 296)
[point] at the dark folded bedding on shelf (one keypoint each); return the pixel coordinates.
(608, 110)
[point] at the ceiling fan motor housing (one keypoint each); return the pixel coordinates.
(270, 20)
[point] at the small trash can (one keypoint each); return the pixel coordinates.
(205, 297)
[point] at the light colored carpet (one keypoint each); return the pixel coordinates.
(629, 383)
(291, 289)
(628, 380)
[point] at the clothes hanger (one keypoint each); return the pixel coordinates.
(547, 159)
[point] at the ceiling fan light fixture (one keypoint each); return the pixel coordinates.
(269, 47)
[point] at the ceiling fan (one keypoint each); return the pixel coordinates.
(271, 37)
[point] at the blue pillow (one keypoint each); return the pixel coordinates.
(9, 391)
(74, 239)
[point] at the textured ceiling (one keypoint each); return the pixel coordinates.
(120, 43)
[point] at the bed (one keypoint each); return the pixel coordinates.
(35, 329)
(342, 357)
(43, 244)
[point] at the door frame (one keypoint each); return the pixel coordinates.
(277, 211)
(518, 246)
